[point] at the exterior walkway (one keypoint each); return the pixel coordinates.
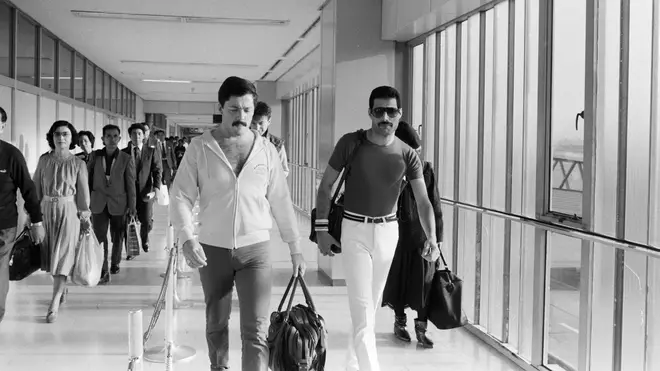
(91, 331)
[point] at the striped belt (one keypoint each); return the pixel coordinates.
(58, 199)
(369, 219)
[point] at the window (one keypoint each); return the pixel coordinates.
(79, 79)
(26, 51)
(115, 96)
(66, 73)
(5, 40)
(106, 91)
(567, 129)
(89, 87)
(99, 88)
(48, 58)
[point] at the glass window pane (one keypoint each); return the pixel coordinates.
(568, 59)
(66, 56)
(5, 40)
(563, 302)
(99, 88)
(26, 51)
(106, 91)
(418, 87)
(89, 91)
(115, 90)
(79, 82)
(48, 57)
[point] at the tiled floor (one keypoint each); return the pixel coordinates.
(91, 332)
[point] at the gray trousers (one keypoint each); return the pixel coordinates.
(7, 237)
(250, 268)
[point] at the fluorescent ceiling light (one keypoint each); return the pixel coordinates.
(169, 81)
(188, 64)
(61, 78)
(180, 18)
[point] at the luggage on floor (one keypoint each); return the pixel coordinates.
(297, 337)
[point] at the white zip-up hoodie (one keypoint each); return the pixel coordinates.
(234, 211)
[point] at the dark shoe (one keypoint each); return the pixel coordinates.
(105, 278)
(400, 328)
(129, 258)
(145, 247)
(420, 331)
(114, 269)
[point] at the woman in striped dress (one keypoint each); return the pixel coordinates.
(61, 182)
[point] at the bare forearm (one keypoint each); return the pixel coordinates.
(427, 219)
(323, 203)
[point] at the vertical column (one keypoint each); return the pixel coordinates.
(267, 91)
(351, 47)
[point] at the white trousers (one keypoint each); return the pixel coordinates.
(367, 252)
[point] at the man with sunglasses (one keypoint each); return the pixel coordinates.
(369, 228)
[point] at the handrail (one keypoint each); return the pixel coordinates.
(302, 166)
(561, 229)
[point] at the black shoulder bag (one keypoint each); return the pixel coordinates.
(336, 214)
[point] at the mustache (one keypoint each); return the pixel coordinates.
(385, 123)
(239, 123)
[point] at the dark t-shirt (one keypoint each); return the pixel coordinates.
(374, 183)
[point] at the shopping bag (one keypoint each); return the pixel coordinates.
(25, 257)
(133, 240)
(89, 260)
(162, 195)
(297, 337)
(444, 307)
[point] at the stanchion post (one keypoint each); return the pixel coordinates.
(170, 352)
(135, 345)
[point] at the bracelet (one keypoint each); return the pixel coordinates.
(321, 229)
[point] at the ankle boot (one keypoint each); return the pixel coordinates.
(420, 331)
(400, 328)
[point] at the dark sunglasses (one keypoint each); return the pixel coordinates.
(380, 111)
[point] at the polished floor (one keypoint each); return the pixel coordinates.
(91, 332)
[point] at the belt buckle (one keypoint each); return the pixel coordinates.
(379, 220)
(54, 199)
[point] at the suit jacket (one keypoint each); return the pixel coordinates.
(168, 155)
(118, 193)
(149, 173)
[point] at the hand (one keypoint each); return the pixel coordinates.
(85, 224)
(325, 242)
(194, 254)
(431, 252)
(37, 233)
(132, 212)
(299, 265)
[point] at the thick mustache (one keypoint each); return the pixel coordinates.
(384, 123)
(238, 123)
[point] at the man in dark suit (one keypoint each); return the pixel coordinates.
(148, 171)
(112, 188)
(167, 155)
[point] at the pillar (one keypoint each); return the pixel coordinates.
(354, 60)
(267, 91)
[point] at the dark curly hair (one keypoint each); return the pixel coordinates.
(59, 124)
(88, 134)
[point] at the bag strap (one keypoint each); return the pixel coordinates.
(286, 293)
(443, 260)
(308, 296)
(347, 168)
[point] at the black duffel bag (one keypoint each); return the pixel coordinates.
(445, 308)
(297, 337)
(25, 257)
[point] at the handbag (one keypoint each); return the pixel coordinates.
(133, 240)
(336, 214)
(297, 337)
(25, 257)
(89, 260)
(445, 306)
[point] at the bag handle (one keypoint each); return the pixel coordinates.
(347, 168)
(295, 281)
(443, 260)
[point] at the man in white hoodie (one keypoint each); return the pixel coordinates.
(240, 181)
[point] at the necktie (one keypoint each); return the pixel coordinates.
(138, 158)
